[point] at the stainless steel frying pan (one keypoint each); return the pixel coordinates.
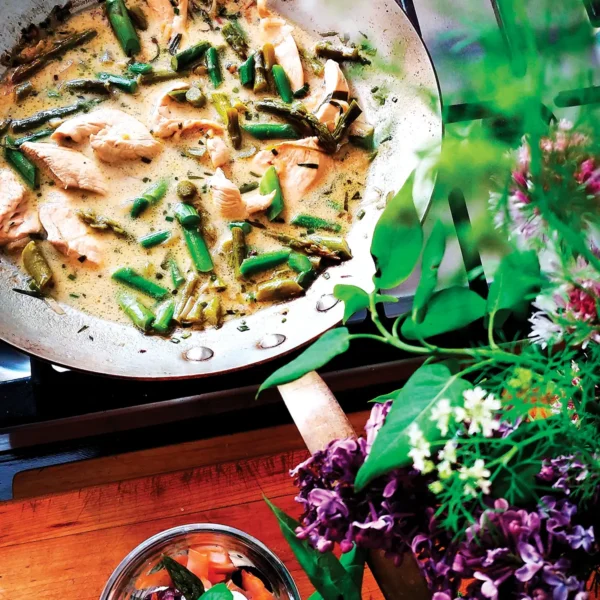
(122, 351)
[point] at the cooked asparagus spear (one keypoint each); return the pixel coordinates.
(185, 295)
(343, 53)
(92, 86)
(190, 56)
(160, 75)
(44, 116)
(117, 14)
(233, 127)
(306, 245)
(141, 316)
(87, 215)
(23, 91)
(238, 249)
(261, 84)
(213, 65)
(164, 316)
(236, 38)
(36, 265)
(278, 289)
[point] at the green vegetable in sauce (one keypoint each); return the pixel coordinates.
(261, 84)
(236, 38)
(222, 104)
(307, 245)
(278, 289)
(23, 91)
(88, 216)
(268, 184)
(19, 125)
(213, 65)
(176, 277)
(57, 49)
(282, 83)
(243, 225)
(335, 244)
(195, 315)
(123, 83)
(131, 278)
(312, 222)
(164, 316)
(187, 292)
(213, 312)
(32, 137)
(300, 262)
(154, 239)
(36, 265)
(198, 250)
(190, 56)
(271, 131)
(26, 169)
(233, 128)
(246, 71)
(122, 26)
(140, 68)
(343, 53)
(187, 215)
(196, 97)
(245, 188)
(178, 95)
(238, 248)
(303, 91)
(263, 262)
(160, 75)
(92, 86)
(140, 315)
(152, 195)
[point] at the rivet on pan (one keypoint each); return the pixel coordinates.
(271, 340)
(199, 353)
(326, 302)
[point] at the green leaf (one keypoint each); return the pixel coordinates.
(515, 285)
(324, 570)
(354, 563)
(398, 239)
(412, 404)
(328, 346)
(449, 310)
(433, 254)
(356, 299)
(218, 592)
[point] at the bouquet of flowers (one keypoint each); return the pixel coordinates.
(485, 466)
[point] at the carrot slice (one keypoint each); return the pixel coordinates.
(218, 559)
(198, 563)
(255, 588)
(159, 578)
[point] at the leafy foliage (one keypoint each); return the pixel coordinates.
(354, 563)
(356, 299)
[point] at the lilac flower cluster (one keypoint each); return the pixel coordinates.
(563, 473)
(382, 516)
(510, 553)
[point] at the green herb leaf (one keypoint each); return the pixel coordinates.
(218, 592)
(398, 239)
(355, 299)
(325, 571)
(412, 404)
(433, 254)
(354, 563)
(516, 284)
(448, 310)
(328, 346)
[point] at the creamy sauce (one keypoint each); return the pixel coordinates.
(92, 289)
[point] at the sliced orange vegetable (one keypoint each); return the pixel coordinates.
(198, 563)
(159, 578)
(218, 559)
(254, 588)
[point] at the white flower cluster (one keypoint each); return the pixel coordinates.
(477, 414)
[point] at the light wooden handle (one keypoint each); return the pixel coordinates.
(320, 419)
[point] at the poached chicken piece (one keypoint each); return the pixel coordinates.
(114, 135)
(17, 218)
(230, 202)
(170, 22)
(69, 168)
(172, 119)
(218, 151)
(67, 232)
(334, 102)
(296, 180)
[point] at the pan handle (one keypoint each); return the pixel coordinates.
(320, 419)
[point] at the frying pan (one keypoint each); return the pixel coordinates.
(406, 118)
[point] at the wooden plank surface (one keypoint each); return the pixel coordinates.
(65, 545)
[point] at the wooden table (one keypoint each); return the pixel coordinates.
(64, 544)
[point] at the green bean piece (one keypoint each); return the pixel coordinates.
(164, 316)
(88, 216)
(190, 56)
(23, 91)
(222, 104)
(246, 71)
(246, 188)
(343, 53)
(196, 97)
(140, 68)
(213, 312)
(20, 125)
(233, 128)
(24, 167)
(312, 222)
(123, 83)
(354, 111)
(187, 215)
(92, 86)
(271, 131)
(263, 262)
(138, 17)
(236, 38)
(337, 245)
(160, 75)
(238, 249)
(154, 239)
(282, 83)
(186, 190)
(58, 48)
(198, 250)
(300, 262)
(268, 184)
(38, 135)
(36, 265)
(176, 276)
(213, 65)
(183, 299)
(152, 195)
(178, 95)
(277, 290)
(306, 245)
(129, 277)
(141, 316)
(261, 83)
(122, 26)
(243, 225)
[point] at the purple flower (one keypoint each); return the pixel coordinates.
(532, 559)
(562, 585)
